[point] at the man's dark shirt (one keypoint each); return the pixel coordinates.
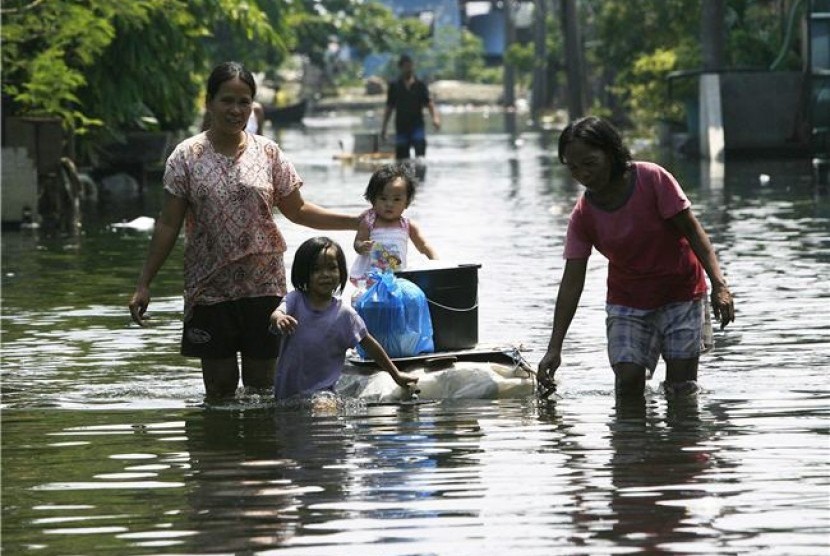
(408, 103)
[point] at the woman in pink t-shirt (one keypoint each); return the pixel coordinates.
(223, 185)
(639, 218)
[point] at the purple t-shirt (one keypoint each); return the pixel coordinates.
(311, 359)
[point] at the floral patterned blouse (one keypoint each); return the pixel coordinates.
(233, 247)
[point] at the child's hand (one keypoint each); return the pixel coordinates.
(282, 323)
(363, 247)
(405, 380)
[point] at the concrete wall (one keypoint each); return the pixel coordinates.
(19, 185)
(32, 150)
(763, 111)
(43, 139)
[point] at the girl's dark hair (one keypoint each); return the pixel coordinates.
(600, 134)
(388, 173)
(305, 260)
(225, 72)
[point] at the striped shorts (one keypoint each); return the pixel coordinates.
(640, 336)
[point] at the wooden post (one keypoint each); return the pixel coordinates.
(540, 67)
(509, 69)
(712, 36)
(573, 60)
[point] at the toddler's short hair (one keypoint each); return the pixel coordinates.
(387, 173)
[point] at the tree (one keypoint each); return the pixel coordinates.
(631, 47)
(104, 66)
(634, 45)
(362, 27)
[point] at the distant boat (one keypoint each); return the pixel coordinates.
(281, 116)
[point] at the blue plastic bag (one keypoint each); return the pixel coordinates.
(396, 313)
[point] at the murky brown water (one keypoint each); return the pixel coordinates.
(107, 449)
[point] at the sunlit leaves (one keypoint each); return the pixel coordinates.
(117, 62)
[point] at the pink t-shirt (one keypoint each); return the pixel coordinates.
(650, 263)
(233, 248)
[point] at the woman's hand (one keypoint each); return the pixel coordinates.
(722, 304)
(138, 305)
(165, 233)
(547, 367)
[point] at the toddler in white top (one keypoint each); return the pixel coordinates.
(384, 232)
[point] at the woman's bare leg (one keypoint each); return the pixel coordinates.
(258, 373)
(221, 377)
(630, 379)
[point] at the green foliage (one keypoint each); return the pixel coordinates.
(104, 66)
(522, 56)
(310, 25)
(646, 89)
(755, 34)
(469, 61)
(631, 47)
(365, 27)
(411, 36)
(635, 46)
(448, 54)
(46, 48)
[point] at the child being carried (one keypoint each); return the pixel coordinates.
(318, 328)
(384, 232)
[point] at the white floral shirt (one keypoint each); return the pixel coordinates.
(233, 247)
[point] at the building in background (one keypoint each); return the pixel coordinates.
(483, 18)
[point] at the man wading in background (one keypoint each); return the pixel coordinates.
(407, 97)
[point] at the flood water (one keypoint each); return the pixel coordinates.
(107, 448)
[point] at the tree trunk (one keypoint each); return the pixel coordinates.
(713, 34)
(573, 60)
(509, 69)
(540, 68)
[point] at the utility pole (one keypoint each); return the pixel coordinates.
(573, 60)
(712, 38)
(509, 69)
(712, 34)
(540, 67)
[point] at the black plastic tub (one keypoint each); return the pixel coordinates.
(452, 293)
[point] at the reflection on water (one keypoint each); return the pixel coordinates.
(107, 449)
(655, 465)
(509, 477)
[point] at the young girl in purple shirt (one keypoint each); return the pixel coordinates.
(318, 328)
